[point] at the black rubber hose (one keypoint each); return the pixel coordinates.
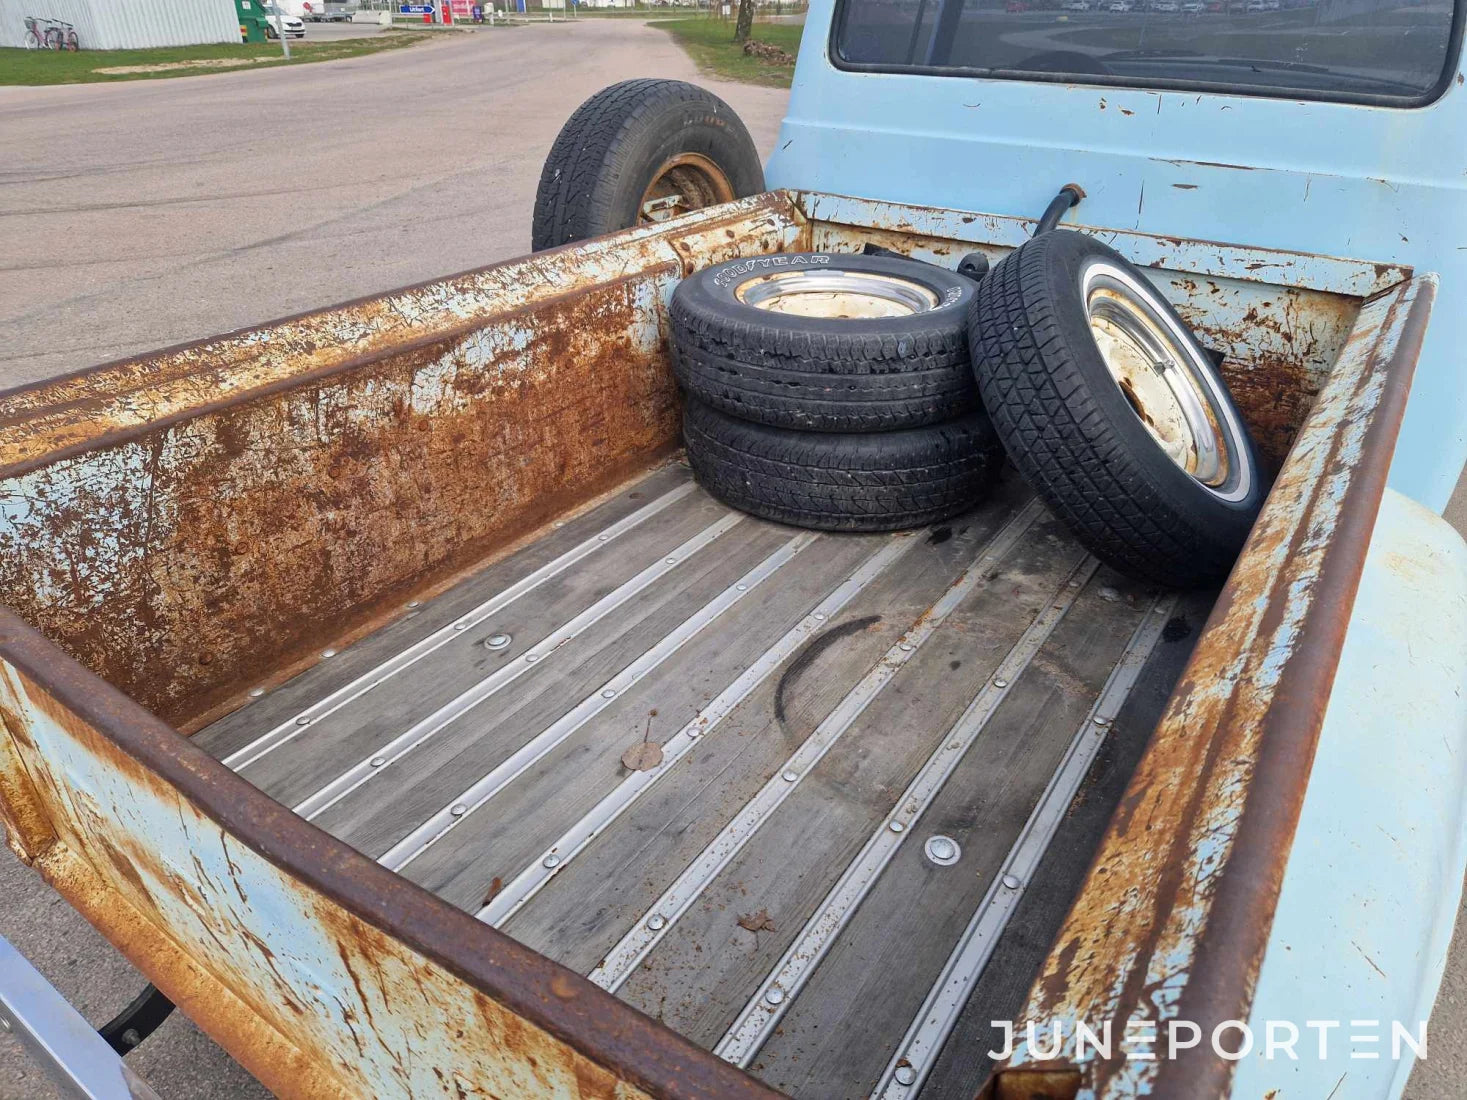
(1069, 195)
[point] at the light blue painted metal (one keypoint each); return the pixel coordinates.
(109, 25)
(323, 979)
(56, 1035)
(1380, 851)
(1332, 179)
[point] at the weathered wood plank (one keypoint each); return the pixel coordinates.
(378, 814)
(355, 731)
(498, 841)
(999, 993)
(588, 908)
(842, 1029)
(703, 973)
(284, 701)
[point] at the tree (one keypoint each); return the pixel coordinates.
(745, 25)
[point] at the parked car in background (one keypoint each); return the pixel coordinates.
(319, 13)
(1077, 5)
(1165, 5)
(1194, 7)
(278, 19)
(1119, 5)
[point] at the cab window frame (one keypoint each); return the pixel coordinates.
(1445, 79)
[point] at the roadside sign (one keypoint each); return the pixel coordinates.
(416, 9)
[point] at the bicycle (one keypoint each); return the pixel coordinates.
(52, 36)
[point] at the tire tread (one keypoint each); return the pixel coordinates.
(1061, 441)
(853, 482)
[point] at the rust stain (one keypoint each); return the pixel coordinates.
(1175, 913)
(195, 552)
(1277, 355)
(1211, 164)
(99, 405)
(1038, 1084)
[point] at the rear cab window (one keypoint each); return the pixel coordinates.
(1385, 52)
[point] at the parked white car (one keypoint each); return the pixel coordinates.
(1119, 5)
(277, 18)
(1077, 5)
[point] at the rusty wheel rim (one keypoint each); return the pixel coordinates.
(686, 182)
(1166, 380)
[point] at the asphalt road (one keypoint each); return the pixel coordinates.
(143, 214)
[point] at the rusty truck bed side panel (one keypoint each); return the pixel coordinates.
(1174, 916)
(323, 972)
(181, 521)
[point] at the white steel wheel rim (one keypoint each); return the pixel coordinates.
(836, 295)
(1166, 380)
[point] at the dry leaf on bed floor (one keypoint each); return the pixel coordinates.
(642, 757)
(757, 922)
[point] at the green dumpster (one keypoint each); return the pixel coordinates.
(252, 20)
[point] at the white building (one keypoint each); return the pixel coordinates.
(111, 25)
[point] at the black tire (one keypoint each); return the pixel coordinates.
(608, 152)
(875, 481)
(1075, 437)
(824, 374)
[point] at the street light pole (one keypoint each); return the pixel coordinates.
(280, 30)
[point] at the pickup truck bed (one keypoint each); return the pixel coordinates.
(418, 485)
(809, 691)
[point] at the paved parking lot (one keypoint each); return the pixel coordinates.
(144, 214)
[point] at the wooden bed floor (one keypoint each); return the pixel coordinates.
(782, 790)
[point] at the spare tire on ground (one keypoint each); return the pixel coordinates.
(1111, 410)
(872, 481)
(825, 342)
(642, 151)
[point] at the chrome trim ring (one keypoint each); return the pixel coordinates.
(836, 294)
(1166, 379)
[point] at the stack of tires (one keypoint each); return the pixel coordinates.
(833, 391)
(848, 393)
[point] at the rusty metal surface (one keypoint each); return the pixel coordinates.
(324, 973)
(1268, 312)
(1174, 916)
(187, 522)
(842, 214)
